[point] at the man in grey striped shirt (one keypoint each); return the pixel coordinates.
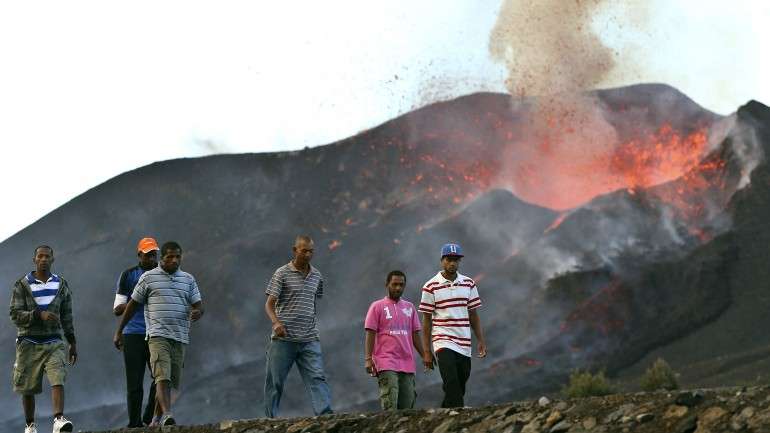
(291, 307)
(173, 301)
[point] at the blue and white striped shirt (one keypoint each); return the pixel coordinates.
(43, 292)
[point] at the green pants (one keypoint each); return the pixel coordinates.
(396, 390)
(35, 360)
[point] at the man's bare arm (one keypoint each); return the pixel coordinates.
(119, 309)
(368, 349)
(278, 327)
(427, 331)
(197, 311)
(473, 316)
(128, 313)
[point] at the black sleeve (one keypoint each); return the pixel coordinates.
(123, 288)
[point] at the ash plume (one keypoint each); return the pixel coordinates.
(548, 47)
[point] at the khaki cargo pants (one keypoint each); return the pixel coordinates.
(166, 360)
(35, 360)
(396, 390)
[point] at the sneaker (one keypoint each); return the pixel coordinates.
(61, 424)
(155, 421)
(32, 428)
(167, 419)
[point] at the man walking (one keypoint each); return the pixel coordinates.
(41, 308)
(291, 307)
(172, 300)
(136, 351)
(449, 303)
(392, 328)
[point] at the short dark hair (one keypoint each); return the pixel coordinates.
(395, 273)
(170, 245)
(34, 253)
(303, 238)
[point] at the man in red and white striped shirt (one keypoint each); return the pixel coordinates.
(449, 305)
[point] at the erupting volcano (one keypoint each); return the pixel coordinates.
(601, 230)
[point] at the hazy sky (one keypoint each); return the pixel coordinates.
(89, 90)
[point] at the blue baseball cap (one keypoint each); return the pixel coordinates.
(451, 249)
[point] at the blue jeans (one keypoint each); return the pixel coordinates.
(281, 355)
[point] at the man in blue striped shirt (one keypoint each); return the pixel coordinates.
(172, 301)
(136, 351)
(291, 307)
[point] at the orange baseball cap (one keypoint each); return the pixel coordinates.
(146, 245)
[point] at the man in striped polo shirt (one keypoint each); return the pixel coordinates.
(172, 300)
(449, 303)
(291, 307)
(136, 352)
(41, 308)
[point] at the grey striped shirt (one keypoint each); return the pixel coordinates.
(167, 298)
(296, 301)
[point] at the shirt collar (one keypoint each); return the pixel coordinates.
(164, 271)
(294, 268)
(32, 280)
(387, 299)
(441, 278)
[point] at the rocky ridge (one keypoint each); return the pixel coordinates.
(699, 411)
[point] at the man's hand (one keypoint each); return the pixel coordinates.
(195, 314)
(73, 354)
(117, 340)
(427, 360)
(482, 349)
(279, 329)
(370, 368)
(48, 316)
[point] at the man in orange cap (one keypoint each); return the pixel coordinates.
(136, 353)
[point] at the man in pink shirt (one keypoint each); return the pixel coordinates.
(392, 328)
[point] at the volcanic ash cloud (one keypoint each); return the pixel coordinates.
(548, 46)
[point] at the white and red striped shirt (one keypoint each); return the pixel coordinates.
(449, 303)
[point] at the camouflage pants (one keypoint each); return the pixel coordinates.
(396, 390)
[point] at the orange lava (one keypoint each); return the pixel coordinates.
(566, 175)
(557, 222)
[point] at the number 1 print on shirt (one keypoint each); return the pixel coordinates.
(387, 313)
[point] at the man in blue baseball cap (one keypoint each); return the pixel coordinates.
(449, 305)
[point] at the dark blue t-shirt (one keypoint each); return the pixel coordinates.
(126, 283)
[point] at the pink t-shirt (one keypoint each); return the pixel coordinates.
(394, 324)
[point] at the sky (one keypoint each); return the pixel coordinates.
(92, 89)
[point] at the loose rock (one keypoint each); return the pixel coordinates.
(445, 426)
(561, 427)
(689, 399)
(553, 418)
(644, 417)
(675, 411)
